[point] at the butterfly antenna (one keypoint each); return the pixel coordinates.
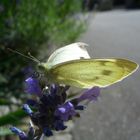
(29, 57)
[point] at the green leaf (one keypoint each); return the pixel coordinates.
(4, 102)
(12, 117)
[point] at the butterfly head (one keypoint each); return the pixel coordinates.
(44, 67)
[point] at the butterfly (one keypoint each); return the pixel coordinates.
(71, 65)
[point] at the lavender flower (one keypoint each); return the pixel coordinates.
(51, 109)
(27, 109)
(90, 94)
(65, 111)
(47, 131)
(32, 86)
(20, 133)
(59, 125)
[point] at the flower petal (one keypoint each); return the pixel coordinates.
(90, 94)
(32, 86)
(20, 133)
(65, 111)
(27, 109)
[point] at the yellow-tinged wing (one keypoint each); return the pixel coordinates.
(87, 73)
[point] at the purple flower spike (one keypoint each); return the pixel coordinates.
(65, 111)
(32, 86)
(20, 133)
(53, 89)
(47, 132)
(27, 109)
(59, 125)
(90, 94)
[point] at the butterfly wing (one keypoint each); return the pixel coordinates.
(92, 72)
(70, 52)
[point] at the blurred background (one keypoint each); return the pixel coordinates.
(110, 27)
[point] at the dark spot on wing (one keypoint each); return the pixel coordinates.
(103, 63)
(96, 78)
(106, 72)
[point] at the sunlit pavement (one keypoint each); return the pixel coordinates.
(116, 116)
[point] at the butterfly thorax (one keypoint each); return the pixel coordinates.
(44, 68)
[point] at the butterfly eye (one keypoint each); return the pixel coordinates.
(41, 67)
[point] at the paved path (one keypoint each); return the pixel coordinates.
(116, 116)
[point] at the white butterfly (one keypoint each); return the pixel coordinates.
(65, 66)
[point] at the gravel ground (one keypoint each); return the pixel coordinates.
(116, 116)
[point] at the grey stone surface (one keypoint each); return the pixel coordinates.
(61, 137)
(116, 116)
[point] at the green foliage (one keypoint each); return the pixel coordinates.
(36, 22)
(12, 117)
(27, 24)
(4, 102)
